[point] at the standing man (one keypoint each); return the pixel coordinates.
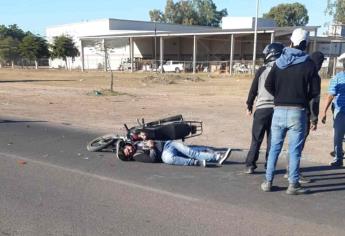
(312, 110)
(336, 94)
(264, 106)
(292, 82)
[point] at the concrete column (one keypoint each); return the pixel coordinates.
(161, 52)
(194, 53)
(131, 52)
(82, 55)
(315, 40)
(272, 37)
(105, 55)
(232, 44)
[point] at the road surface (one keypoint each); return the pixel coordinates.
(51, 185)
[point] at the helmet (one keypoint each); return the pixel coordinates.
(273, 51)
(120, 145)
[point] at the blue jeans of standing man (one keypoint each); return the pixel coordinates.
(290, 121)
(176, 153)
(339, 132)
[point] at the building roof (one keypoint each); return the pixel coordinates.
(278, 31)
(119, 28)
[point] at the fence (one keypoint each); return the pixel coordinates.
(238, 67)
(147, 65)
(25, 63)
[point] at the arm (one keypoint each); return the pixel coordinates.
(147, 153)
(332, 91)
(253, 92)
(270, 82)
(314, 106)
(328, 102)
(314, 84)
(154, 153)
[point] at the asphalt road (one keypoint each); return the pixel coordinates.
(51, 185)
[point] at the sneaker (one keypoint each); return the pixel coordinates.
(249, 170)
(296, 189)
(303, 180)
(224, 156)
(332, 153)
(266, 186)
(336, 163)
(203, 163)
(195, 163)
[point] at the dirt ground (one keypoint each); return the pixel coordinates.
(78, 99)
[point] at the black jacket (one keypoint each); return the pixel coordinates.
(295, 85)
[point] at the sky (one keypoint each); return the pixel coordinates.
(37, 15)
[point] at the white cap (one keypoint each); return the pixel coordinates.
(341, 57)
(298, 35)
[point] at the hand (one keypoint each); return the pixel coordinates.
(150, 143)
(313, 127)
(323, 120)
(142, 135)
(249, 112)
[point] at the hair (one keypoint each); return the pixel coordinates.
(119, 151)
(302, 45)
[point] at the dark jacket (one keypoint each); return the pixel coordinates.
(314, 104)
(149, 155)
(293, 80)
(258, 91)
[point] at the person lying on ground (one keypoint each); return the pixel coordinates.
(169, 152)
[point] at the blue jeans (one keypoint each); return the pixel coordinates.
(339, 132)
(290, 121)
(176, 153)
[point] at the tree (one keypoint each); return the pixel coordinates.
(336, 9)
(208, 14)
(170, 11)
(64, 47)
(189, 12)
(33, 47)
(12, 31)
(184, 13)
(156, 15)
(9, 49)
(294, 14)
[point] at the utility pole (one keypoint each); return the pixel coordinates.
(255, 34)
(155, 46)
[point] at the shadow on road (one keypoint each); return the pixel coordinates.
(331, 180)
(21, 121)
(31, 80)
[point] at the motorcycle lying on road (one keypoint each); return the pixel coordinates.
(170, 128)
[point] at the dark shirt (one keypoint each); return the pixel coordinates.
(295, 85)
(149, 155)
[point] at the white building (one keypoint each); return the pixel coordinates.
(113, 43)
(231, 22)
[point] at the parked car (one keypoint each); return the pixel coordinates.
(172, 66)
(240, 68)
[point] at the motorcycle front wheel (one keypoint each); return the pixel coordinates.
(100, 143)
